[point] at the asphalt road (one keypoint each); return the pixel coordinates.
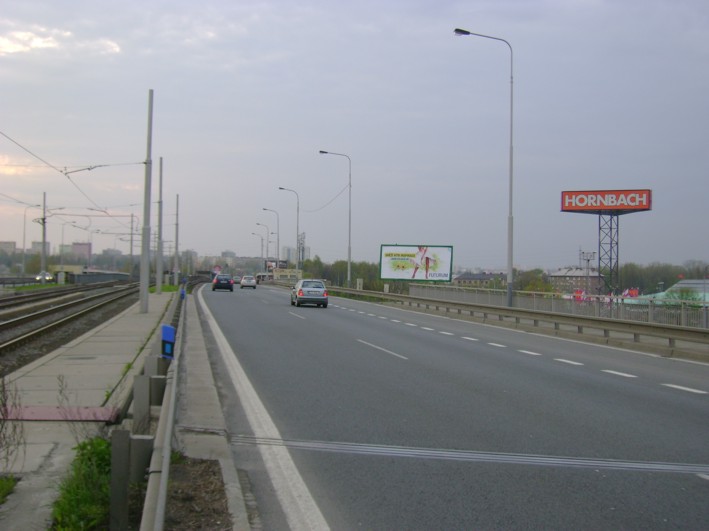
(401, 420)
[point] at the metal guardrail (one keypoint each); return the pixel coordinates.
(666, 340)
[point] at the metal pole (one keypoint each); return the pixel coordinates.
(297, 226)
(510, 217)
(43, 254)
(349, 221)
(177, 240)
(278, 237)
(145, 244)
(158, 256)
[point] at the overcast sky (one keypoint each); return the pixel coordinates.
(608, 94)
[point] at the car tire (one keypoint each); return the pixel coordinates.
(297, 303)
(324, 305)
(292, 302)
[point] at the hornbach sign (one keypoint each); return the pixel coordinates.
(606, 201)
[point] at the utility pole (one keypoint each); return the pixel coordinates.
(145, 244)
(158, 257)
(176, 267)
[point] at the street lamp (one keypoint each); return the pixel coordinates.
(278, 237)
(268, 237)
(349, 225)
(510, 222)
(259, 236)
(297, 226)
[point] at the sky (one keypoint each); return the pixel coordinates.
(607, 94)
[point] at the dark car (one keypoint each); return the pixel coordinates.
(309, 292)
(223, 282)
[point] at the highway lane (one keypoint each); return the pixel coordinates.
(403, 420)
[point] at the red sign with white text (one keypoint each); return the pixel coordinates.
(606, 201)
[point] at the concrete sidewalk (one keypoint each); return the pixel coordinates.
(63, 399)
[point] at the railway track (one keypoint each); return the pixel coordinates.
(41, 328)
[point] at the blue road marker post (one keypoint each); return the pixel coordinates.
(168, 341)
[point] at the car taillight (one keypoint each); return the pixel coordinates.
(214, 281)
(300, 293)
(231, 282)
(324, 293)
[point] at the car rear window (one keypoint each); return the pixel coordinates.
(224, 277)
(313, 284)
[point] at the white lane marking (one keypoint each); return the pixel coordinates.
(562, 360)
(296, 315)
(410, 324)
(382, 317)
(704, 476)
(496, 345)
(383, 349)
(427, 328)
(446, 333)
(529, 352)
(688, 389)
(297, 503)
(471, 338)
(371, 315)
(395, 321)
(616, 373)
(351, 310)
(362, 313)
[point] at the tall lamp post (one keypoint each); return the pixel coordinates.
(268, 237)
(278, 237)
(510, 222)
(349, 223)
(259, 236)
(297, 226)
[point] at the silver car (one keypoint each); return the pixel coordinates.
(309, 292)
(247, 281)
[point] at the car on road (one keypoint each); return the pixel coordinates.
(248, 281)
(44, 275)
(223, 281)
(309, 291)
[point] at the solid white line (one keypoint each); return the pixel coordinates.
(623, 374)
(383, 350)
(568, 361)
(496, 345)
(296, 315)
(529, 352)
(688, 389)
(446, 333)
(471, 338)
(297, 503)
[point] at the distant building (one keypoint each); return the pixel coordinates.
(481, 280)
(571, 279)
(81, 250)
(37, 248)
(8, 247)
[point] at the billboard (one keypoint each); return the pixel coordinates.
(607, 201)
(416, 262)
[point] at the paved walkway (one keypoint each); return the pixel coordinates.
(63, 400)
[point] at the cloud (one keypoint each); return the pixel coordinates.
(34, 38)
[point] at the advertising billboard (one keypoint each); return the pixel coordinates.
(606, 201)
(416, 262)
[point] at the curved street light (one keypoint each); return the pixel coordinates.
(349, 224)
(297, 226)
(278, 236)
(510, 222)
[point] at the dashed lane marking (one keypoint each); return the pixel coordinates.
(688, 389)
(562, 360)
(383, 349)
(617, 373)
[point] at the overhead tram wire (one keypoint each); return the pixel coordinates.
(66, 172)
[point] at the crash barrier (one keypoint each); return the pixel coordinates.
(143, 448)
(666, 340)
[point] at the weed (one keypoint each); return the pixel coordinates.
(7, 484)
(84, 496)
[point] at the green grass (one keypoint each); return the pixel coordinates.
(166, 289)
(84, 496)
(7, 484)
